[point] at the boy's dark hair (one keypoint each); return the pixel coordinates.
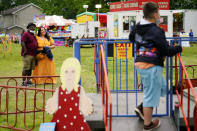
(149, 9)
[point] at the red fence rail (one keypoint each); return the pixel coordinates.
(105, 92)
(21, 107)
(15, 110)
(190, 88)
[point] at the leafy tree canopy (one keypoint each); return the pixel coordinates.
(67, 8)
(70, 8)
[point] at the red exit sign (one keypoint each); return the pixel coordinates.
(137, 5)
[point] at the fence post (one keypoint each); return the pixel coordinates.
(171, 82)
(77, 50)
(98, 66)
(77, 53)
(167, 84)
(195, 118)
(177, 116)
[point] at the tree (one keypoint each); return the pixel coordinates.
(67, 8)
(183, 4)
(5, 4)
(70, 8)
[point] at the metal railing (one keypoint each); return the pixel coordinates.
(21, 107)
(180, 96)
(101, 77)
(126, 90)
(105, 92)
(184, 86)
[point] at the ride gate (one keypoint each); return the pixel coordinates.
(126, 90)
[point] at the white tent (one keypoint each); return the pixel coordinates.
(54, 20)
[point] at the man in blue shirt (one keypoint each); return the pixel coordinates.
(191, 34)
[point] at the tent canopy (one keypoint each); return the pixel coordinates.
(54, 20)
(88, 13)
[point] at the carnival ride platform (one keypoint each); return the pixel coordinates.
(132, 123)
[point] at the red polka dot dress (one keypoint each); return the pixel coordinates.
(68, 116)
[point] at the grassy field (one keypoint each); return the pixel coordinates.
(11, 65)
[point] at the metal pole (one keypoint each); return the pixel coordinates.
(86, 24)
(98, 14)
(99, 23)
(177, 116)
(77, 53)
(76, 48)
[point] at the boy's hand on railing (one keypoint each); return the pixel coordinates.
(178, 48)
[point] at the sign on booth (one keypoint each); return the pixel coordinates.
(123, 51)
(137, 5)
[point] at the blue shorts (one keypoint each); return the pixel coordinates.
(154, 85)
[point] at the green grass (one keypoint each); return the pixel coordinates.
(11, 65)
(117, 71)
(189, 55)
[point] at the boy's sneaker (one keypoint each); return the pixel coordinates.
(139, 111)
(154, 124)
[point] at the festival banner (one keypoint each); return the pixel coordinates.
(37, 18)
(164, 23)
(115, 32)
(136, 5)
(102, 32)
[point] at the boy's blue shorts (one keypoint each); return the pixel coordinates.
(154, 85)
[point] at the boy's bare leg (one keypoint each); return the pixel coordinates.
(148, 111)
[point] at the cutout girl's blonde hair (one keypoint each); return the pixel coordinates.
(74, 63)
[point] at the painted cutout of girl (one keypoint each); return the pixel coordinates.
(69, 102)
